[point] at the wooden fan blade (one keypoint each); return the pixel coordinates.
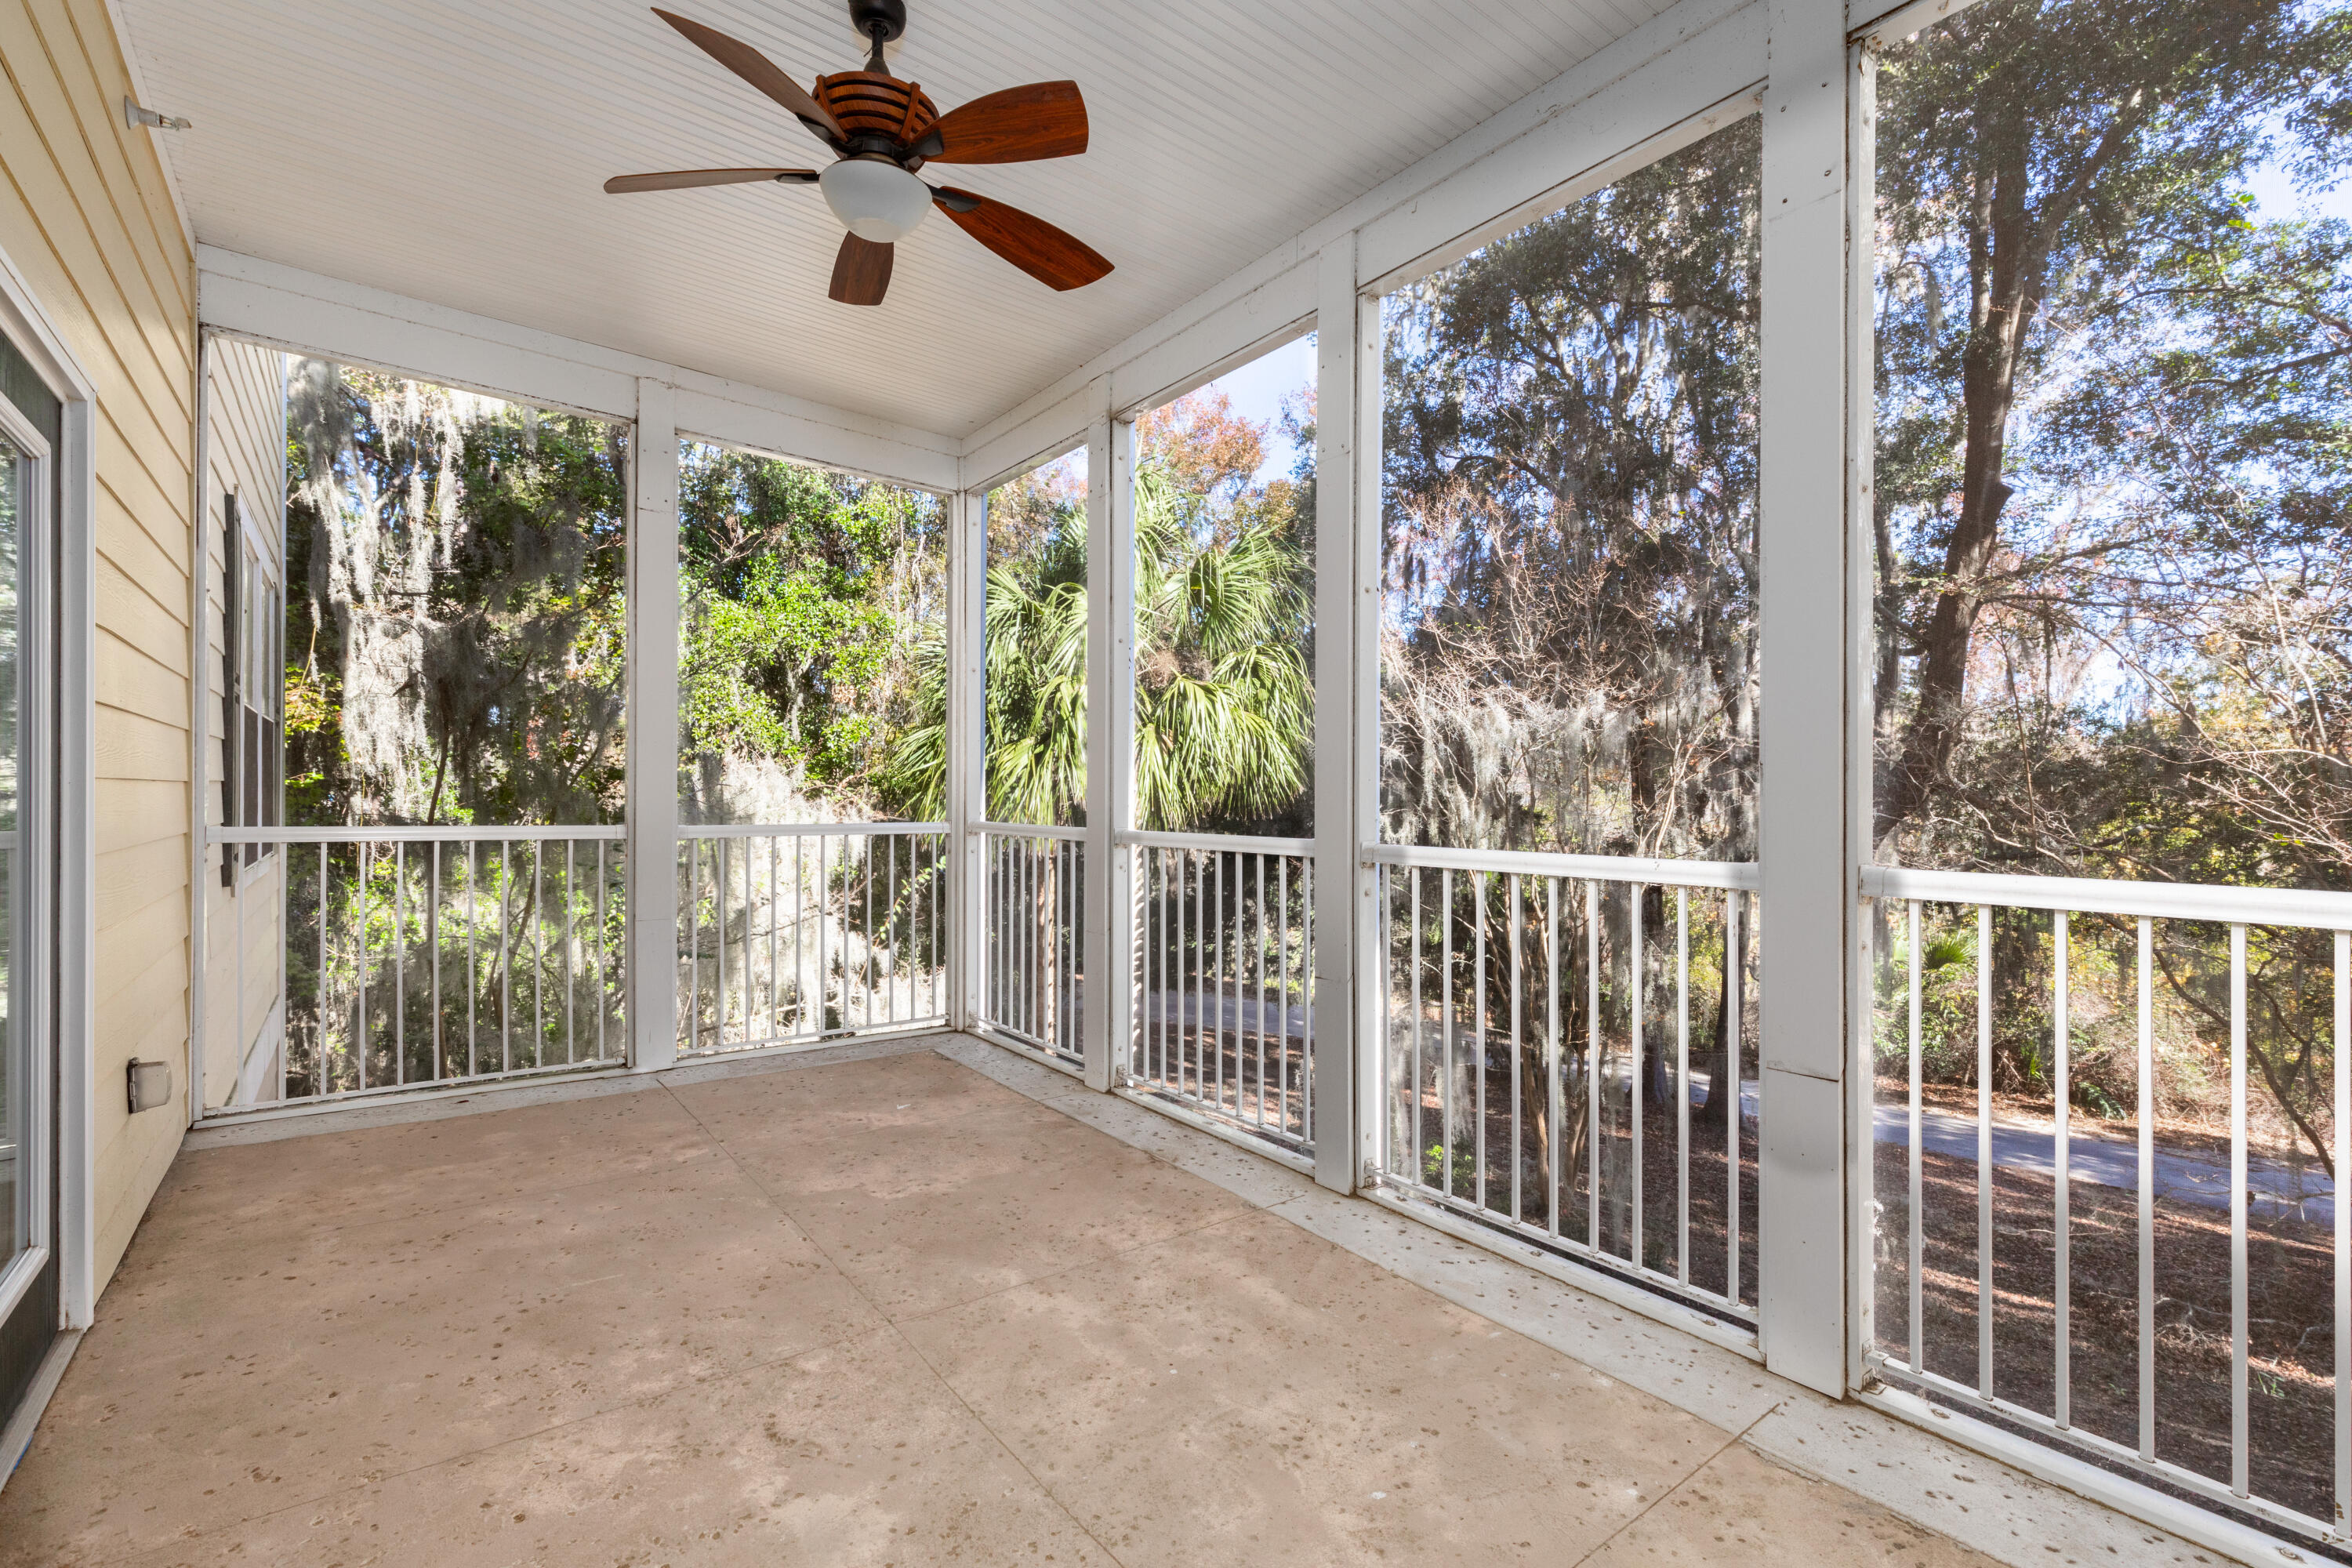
(1054, 258)
(683, 179)
(861, 271)
(1043, 120)
(755, 68)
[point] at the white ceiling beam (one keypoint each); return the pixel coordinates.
(1045, 436)
(302, 311)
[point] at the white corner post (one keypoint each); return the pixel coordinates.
(199, 728)
(1347, 717)
(1806, 863)
(652, 831)
(967, 781)
(1110, 640)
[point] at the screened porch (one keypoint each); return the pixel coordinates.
(1613, 830)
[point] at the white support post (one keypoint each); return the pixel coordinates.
(1861, 351)
(1108, 564)
(967, 782)
(1808, 877)
(1114, 885)
(1347, 716)
(651, 829)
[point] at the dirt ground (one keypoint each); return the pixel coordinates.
(1708, 1183)
(2290, 1352)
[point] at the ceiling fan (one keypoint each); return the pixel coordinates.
(881, 130)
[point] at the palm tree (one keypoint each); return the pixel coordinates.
(1224, 707)
(1224, 700)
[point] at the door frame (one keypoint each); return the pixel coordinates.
(64, 898)
(31, 894)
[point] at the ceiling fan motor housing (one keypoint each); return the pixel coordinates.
(881, 113)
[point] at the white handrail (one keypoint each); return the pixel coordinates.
(456, 833)
(804, 829)
(452, 833)
(1737, 875)
(1032, 830)
(1229, 843)
(2090, 895)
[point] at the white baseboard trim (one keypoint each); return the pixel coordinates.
(472, 1099)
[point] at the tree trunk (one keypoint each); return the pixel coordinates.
(2004, 291)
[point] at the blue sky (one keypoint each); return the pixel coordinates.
(1257, 390)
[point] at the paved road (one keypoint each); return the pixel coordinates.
(2275, 1188)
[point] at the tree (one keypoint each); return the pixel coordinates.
(2115, 397)
(1206, 450)
(1225, 705)
(1568, 551)
(458, 654)
(1569, 657)
(2060, 166)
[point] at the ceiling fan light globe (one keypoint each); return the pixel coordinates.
(875, 199)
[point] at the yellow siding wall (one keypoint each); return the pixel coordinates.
(86, 218)
(245, 456)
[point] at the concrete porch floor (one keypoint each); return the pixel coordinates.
(885, 1311)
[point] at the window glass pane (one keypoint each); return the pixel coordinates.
(15, 470)
(1035, 685)
(14, 1062)
(1224, 602)
(458, 640)
(1568, 642)
(2113, 630)
(812, 628)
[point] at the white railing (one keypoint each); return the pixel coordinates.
(796, 934)
(2106, 1336)
(1224, 1014)
(397, 958)
(1540, 1017)
(1033, 901)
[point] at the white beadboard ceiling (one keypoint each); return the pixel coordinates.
(453, 150)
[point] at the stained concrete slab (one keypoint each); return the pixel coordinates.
(884, 1309)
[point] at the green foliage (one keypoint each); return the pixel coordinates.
(1034, 676)
(1225, 704)
(808, 597)
(1466, 1168)
(1223, 699)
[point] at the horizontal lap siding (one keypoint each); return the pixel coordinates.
(85, 220)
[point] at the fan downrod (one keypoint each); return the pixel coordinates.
(880, 22)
